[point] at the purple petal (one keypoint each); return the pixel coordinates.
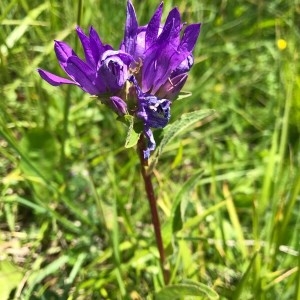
(96, 45)
(159, 62)
(174, 20)
(184, 66)
(153, 111)
(172, 87)
(125, 57)
(152, 56)
(164, 70)
(54, 79)
(81, 73)
(63, 52)
(166, 59)
(99, 82)
(131, 28)
(85, 41)
(184, 50)
(189, 38)
(153, 26)
(165, 66)
(140, 44)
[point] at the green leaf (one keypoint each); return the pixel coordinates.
(19, 31)
(177, 212)
(38, 276)
(175, 221)
(183, 95)
(15, 198)
(133, 133)
(241, 287)
(177, 127)
(179, 291)
(10, 277)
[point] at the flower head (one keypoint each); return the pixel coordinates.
(163, 52)
(162, 58)
(155, 58)
(103, 72)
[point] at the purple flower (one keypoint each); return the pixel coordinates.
(162, 59)
(103, 72)
(163, 52)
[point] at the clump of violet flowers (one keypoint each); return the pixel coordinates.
(139, 81)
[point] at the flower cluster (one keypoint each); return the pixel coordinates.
(155, 59)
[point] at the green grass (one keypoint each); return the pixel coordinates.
(74, 218)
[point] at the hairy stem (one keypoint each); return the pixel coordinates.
(153, 207)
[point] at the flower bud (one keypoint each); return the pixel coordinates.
(118, 105)
(112, 70)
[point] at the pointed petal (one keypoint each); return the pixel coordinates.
(174, 20)
(95, 36)
(153, 26)
(96, 45)
(54, 79)
(166, 58)
(164, 70)
(189, 38)
(63, 52)
(184, 66)
(157, 57)
(172, 87)
(185, 49)
(140, 44)
(131, 28)
(81, 73)
(85, 41)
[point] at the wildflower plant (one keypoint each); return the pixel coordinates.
(140, 82)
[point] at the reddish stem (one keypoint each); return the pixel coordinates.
(153, 207)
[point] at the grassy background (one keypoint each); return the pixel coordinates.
(74, 219)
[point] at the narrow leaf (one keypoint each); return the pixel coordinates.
(242, 284)
(177, 213)
(19, 31)
(183, 95)
(50, 269)
(186, 289)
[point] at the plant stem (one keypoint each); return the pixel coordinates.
(153, 207)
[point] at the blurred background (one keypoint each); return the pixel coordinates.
(74, 218)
